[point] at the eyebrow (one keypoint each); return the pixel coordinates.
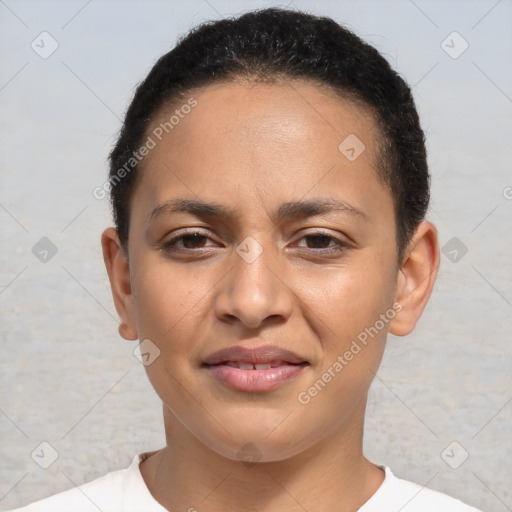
(306, 208)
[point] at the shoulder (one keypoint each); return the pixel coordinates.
(116, 491)
(396, 495)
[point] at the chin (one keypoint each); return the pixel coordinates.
(258, 451)
(259, 438)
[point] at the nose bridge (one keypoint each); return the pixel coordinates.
(253, 290)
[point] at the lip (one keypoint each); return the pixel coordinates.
(286, 366)
(257, 355)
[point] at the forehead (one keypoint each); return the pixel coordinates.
(285, 109)
(246, 140)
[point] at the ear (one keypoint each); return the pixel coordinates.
(118, 270)
(416, 278)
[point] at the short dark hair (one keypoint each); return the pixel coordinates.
(269, 44)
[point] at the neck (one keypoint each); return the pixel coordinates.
(331, 475)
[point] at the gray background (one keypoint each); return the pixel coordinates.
(67, 377)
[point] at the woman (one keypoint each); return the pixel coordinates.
(269, 189)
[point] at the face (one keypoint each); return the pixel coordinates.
(262, 267)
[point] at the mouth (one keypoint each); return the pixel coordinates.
(258, 366)
(254, 370)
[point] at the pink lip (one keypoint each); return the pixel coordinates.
(254, 380)
(260, 355)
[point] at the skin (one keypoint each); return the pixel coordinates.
(252, 147)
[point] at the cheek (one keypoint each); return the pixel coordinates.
(346, 307)
(168, 306)
(167, 297)
(347, 299)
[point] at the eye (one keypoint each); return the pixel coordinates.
(190, 241)
(324, 240)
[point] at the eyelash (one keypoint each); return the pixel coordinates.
(341, 245)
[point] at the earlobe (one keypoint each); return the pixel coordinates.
(416, 278)
(118, 270)
(127, 332)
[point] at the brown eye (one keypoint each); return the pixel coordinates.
(322, 242)
(189, 242)
(316, 240)
(193, 241)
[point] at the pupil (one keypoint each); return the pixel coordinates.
(318, 239)
(196, 238)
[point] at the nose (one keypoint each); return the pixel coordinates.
(254, 292)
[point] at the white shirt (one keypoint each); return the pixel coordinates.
(125, 491)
